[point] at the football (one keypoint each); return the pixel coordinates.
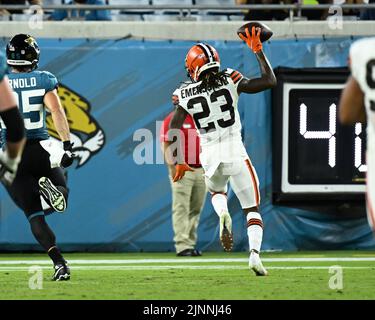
(265, 34)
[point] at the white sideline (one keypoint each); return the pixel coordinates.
(183, 260)
(168, 267)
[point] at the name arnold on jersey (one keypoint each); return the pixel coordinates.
(22, 83)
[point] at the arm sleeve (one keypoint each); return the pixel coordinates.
(14, 124)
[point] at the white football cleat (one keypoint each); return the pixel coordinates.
(256, 265)
(52, 195)
(226, 235)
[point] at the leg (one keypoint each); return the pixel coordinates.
(47, 239)
(197, 199)
(245, 185)
(217, 185)
(58, 178)
(25, 193)
(181, 194)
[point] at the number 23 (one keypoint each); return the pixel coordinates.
(228, 106)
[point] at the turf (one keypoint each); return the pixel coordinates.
(215, 276)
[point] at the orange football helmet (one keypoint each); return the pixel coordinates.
(201, 57)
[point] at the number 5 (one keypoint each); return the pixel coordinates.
(28, 108)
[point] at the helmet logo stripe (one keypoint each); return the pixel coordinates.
(207, 51)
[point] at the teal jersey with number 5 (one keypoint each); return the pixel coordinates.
(30, 89)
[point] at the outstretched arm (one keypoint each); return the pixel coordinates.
(267, 79)
(174, 132)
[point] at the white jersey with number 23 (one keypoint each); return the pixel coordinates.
(362, 60)
(217, 119)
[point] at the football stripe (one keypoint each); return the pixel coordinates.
(215, 193)
(238, 78)
(255, 185)
(234, 74)
(206, 51)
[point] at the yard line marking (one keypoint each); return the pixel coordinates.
(169, 267)
(184, 260)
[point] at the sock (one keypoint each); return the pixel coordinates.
(45, 237)
(254, 231)
(220, 203)
(55, 255)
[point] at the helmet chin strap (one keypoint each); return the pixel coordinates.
(34, 65)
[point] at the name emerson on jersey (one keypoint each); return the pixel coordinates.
(193, 89)
(22, 83)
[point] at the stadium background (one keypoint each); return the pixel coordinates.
(117, 205)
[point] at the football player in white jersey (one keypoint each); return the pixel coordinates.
(211, 98)
(357, 104)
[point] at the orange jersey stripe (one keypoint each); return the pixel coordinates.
(255, 185)
(237, 78)
(234, 74)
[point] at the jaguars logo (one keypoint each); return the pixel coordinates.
(86, 134)
(30, 40)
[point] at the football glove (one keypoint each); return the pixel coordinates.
(253, 39)
(8, 168)
(68, 157)
(180, 171)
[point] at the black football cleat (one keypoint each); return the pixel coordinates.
(62, 272)
(196, 253)
(185, 253)
(52, 195)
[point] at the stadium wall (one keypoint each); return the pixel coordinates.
(111, 88)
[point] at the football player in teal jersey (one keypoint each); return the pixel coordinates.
(39, 187)
(15, 137)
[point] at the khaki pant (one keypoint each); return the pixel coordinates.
(188, 196)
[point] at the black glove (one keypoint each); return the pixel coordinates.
(68, 157)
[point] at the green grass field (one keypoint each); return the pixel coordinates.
(214, 276)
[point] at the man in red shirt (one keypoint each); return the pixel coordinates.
(188, 194)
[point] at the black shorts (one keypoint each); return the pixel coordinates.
(34, 164)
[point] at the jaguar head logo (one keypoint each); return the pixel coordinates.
(85, 132)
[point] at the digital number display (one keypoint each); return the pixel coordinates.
(314, 156)
(321, 151)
